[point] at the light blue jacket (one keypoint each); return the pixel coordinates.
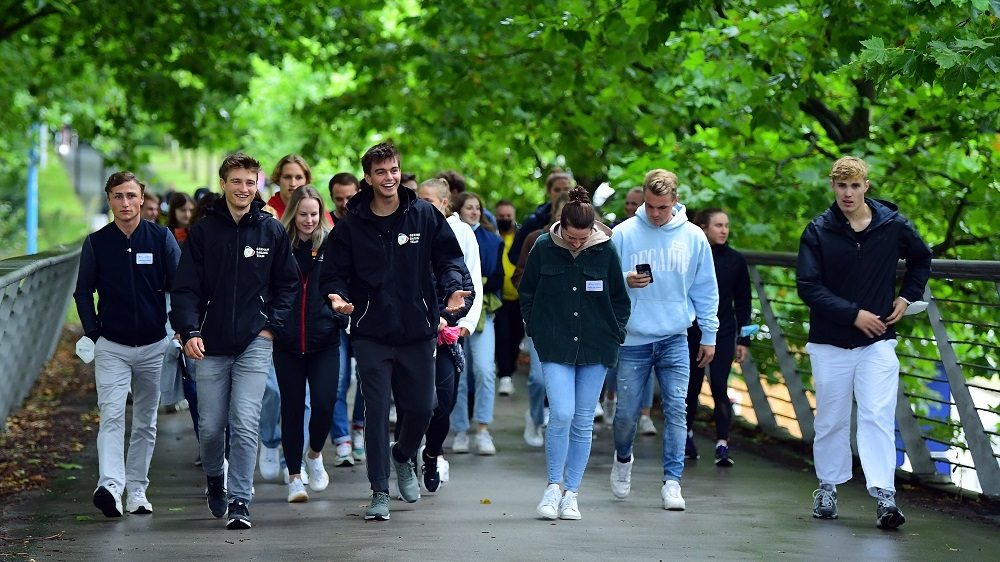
(684, 286)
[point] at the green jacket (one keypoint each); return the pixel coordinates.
(575, 310)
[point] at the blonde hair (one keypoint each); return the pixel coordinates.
(660, 182)
(849, 167)
(288, 219)
(557, 174)
(439, 185)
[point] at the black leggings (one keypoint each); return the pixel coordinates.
(321, 370)
(718, 380)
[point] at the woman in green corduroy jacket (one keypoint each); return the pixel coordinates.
(575, 307)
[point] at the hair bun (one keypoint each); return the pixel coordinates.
(578, 195)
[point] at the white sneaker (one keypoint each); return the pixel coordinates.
(621, 477)
(302, 474)
(444, 469)
(460, 443)
(545, 416)
(318, 478)
(568, 508)
(137, 503)
(484, 443)
(344, 454)
(297, 491)
(598, 412)
(533, 434)
(548, 508)
(646, 426)
(359, 444)
(392, 414)
(505, 386)
(269, 463)
(671, 494)
(108, 499)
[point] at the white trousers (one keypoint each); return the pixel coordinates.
(119, 369)
(869, 375)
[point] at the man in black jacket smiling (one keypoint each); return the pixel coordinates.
(235, 285)
(847, 276)
(387, 258)
(130, 263)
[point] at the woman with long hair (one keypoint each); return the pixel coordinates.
(575, 308)
(734, 313)
(482, 342)
(307, 351)
(179, 214)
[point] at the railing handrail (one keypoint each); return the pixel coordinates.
(983, 270)
(17, 268)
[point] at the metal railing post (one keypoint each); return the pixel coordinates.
(796, 390)
(758, 398)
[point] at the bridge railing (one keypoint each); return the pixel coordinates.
(34, 293)
(947, 413)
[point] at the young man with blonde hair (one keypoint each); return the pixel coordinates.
(668, 268)
(847, 276)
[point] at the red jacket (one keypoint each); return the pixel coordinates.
(278, 204)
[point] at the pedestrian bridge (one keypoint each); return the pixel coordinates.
(947, 438)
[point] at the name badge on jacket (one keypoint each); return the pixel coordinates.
(146, 258)
(595, 285)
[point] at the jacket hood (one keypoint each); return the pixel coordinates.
(882, 212)
(680, 217)
(221, 208)
(360, 204)
(599, 234)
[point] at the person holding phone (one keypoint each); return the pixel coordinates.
(734, 313)
(679, 257)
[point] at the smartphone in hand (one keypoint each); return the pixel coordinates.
(644, 269)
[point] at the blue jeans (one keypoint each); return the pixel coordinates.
(573, 391)
(340, 431)
(482, 362)
(611, 385)
(669, 359)
(270, 412)
(230, 389)
(536, 386)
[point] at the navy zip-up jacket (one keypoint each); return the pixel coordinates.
(840, 273)
(391, 275)
(234, 280)
(313, 325)
(131, 275)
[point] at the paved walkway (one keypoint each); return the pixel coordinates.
(756, 510)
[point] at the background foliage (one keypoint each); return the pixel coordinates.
(748, 101)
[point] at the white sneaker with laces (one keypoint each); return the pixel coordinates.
(484, 443)
(318, 479)
(269, 463)
(646, 426)
(461, 443)
(548, 508)
(359, 444)
(302, 474)
(533, 434)
(297, 491)
(568, 508)
(505, 386)
(344, 454)
(136, 502)
(621, 477)
(671, 494)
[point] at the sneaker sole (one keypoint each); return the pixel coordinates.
(299, 498)
(104, 501)
(570, 517)
(377, 517)
(822, 516)
(344, 462)
(726, 462)
(238, 524)
(141, 510)
(547, 516)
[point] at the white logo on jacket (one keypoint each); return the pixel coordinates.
(411, 238)
(248, 252)
(676, 257)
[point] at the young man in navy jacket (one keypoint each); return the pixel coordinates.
(235, 286)
(390, 256)
(130, 263)
(847, 276)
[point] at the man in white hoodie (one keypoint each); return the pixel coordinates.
(671, 279)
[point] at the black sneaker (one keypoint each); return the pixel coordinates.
(217, 495)
(432, 480)
(690, 451)
(887, 515)
(239, 515)
(825, 502)
(722, 457)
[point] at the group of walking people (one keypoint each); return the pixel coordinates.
(431, 294)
